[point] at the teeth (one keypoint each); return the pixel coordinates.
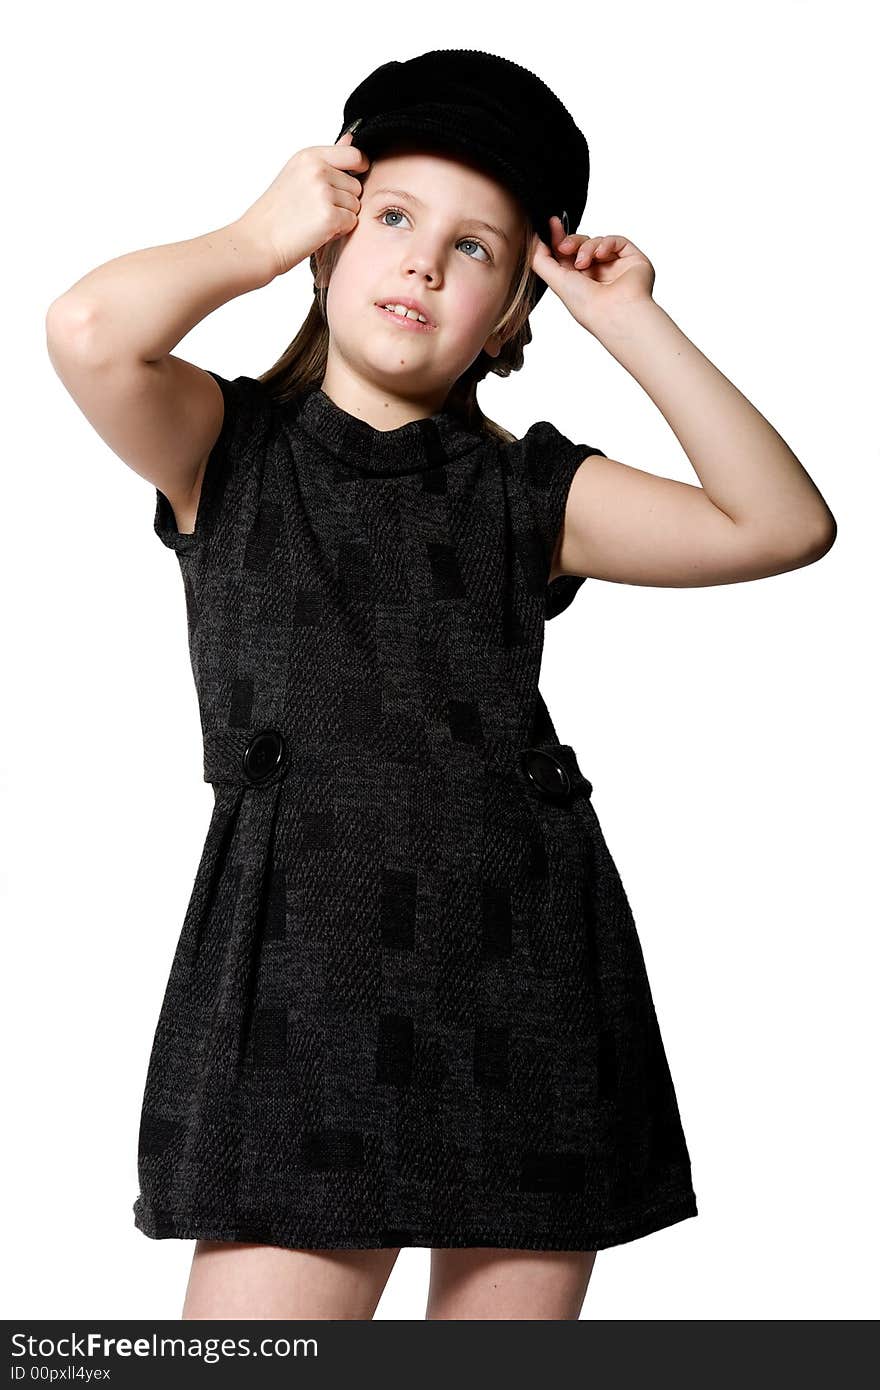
(402, 310)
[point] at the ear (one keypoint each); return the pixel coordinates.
(493, 345)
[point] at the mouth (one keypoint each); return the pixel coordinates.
(404, 321)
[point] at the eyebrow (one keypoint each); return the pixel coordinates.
(470, 221)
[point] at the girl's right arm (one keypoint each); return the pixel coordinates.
(110, 336)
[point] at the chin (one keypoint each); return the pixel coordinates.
(393, 365)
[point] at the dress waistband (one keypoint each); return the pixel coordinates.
(261, 758)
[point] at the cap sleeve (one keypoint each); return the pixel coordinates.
(247, 410)
(545, 461)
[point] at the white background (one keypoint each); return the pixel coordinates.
(726, 730)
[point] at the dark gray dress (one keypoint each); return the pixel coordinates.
(408, 1005)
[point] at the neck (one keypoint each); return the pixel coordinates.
(377, 405)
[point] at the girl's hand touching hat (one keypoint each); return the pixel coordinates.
(593, 276)
(315, 199)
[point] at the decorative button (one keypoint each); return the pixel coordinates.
(548, 773)
(263, 755)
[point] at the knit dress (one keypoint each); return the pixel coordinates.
(408, 1005)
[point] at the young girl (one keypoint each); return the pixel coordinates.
(408, 1006)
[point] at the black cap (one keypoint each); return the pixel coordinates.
(495, 112)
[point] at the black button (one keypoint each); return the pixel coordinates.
(547, 773)
(263, 755)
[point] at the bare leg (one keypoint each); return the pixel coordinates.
(233, 1279)
(482, 1283)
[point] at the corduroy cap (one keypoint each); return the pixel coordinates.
(495, 112)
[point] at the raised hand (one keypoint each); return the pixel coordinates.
(314, 199)
(592, 275)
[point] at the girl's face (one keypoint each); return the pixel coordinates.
(446, 235)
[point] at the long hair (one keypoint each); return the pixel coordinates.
(303, 363)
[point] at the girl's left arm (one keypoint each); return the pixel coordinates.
(757, 512)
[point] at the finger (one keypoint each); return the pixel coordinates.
(595, 248)
(576, 244)
(589, 248)
(347, 139)
(546, 265)
(557, 232)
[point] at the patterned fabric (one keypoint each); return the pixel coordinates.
(408, 1004)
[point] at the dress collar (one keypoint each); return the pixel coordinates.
(428, 442)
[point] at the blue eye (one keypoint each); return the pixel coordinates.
(473, 241)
